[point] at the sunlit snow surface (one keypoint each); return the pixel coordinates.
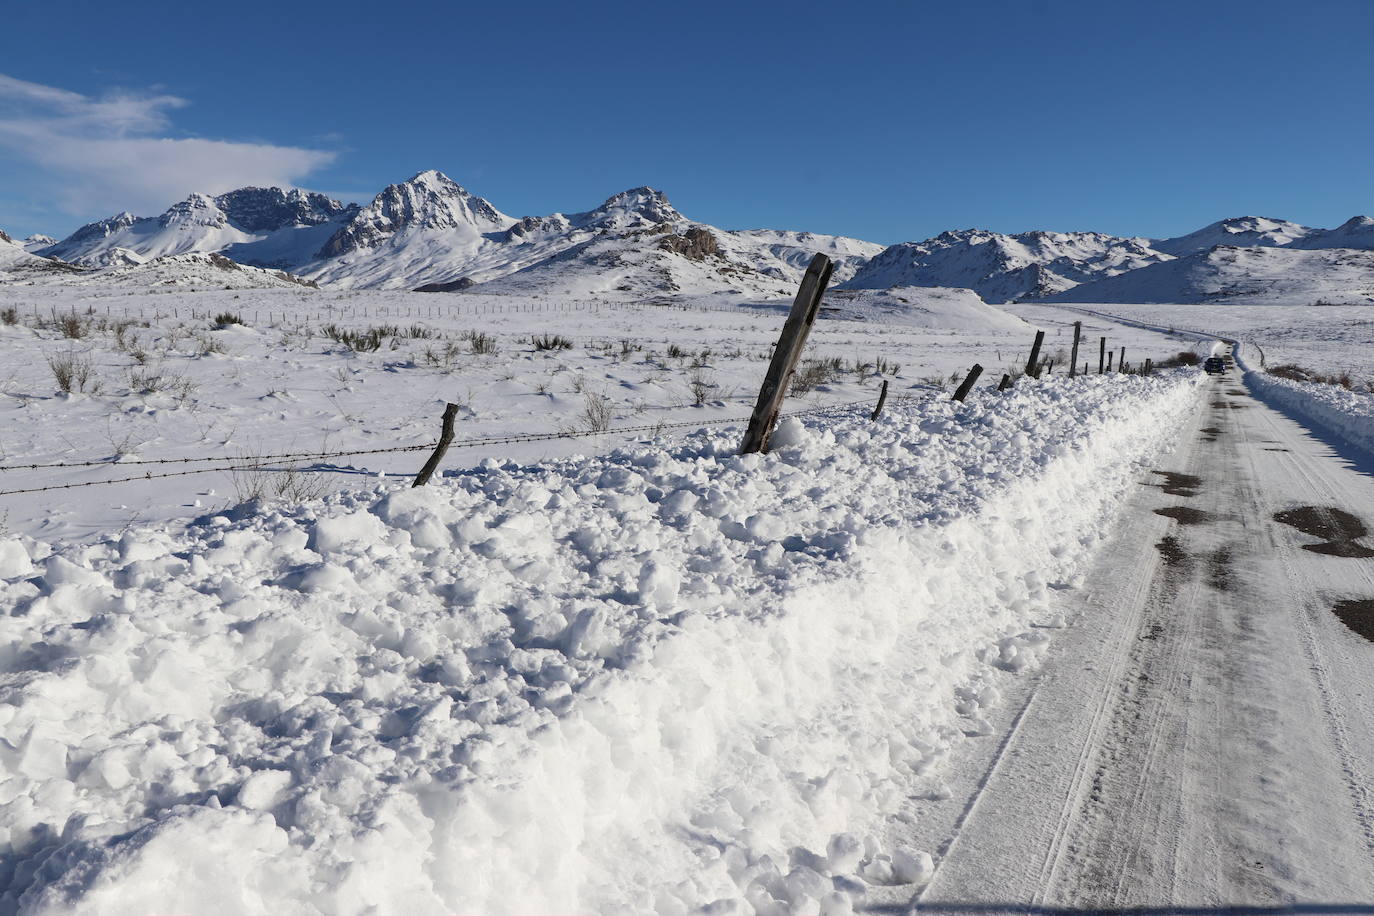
(647, 681)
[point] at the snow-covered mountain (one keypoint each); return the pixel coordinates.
(1356, 232)
(268, 226)
(18, 264)
(37, 242)
(1247, 275)
(431, 232)
(1001, 268)
(1238, 232)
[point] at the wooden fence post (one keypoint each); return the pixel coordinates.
(1149, 366)
(786, 355)
(1073, 357)
(968, 381)
(1110, 356)
(882, 399)
(445, 437)
(1005, 383)
(1031, 368)
(1121, 363)
(1101, 356)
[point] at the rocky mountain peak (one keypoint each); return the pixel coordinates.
(270, 209)
(429, 201)
(195, 210)
(635, 207)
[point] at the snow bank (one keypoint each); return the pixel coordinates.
(1348, 414)
(647, 682)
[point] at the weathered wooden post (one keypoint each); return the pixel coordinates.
(1085, 367)
(1005, 383)
(1073, 356)
(1049, 366)
(968, 381)
(785, 356)
(882, 399)
(1121, 363)
(1101, 356)
(445, 437)
(1110, 357)
(1149, 366)
(1031, 369)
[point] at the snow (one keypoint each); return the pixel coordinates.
(662, 679)
(1002, 267)
(1348, 414)
(1236, 232)
(279, 384)
(1258, 275)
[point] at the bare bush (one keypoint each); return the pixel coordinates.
(72, 325)
(157, 379)
(74, 372)
(700, 383)
(813, 373)
(596, 412)
(10, 315)
(551, 342)
(1297, 373)
(481, 344)
(256, 482)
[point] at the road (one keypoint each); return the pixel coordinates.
(1202, 740)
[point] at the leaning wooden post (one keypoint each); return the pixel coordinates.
(786, 355)
(1049, 366)
(882, 399)
(968, 381)
(1073, 356)
(1005, 383)
(1102, 356)
(1031, 369)
(445, 437)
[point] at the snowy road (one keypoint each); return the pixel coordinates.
(1200, 739)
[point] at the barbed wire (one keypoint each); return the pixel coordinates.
(259, 462)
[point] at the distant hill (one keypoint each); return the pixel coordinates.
(1252, 275)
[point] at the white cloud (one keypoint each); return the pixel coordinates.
(112, 153)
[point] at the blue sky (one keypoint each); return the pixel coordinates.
(886, 121)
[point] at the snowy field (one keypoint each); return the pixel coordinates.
(157, 380)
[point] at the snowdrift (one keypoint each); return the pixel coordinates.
(637, 683)
(1348, 414)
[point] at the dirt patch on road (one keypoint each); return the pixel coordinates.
(1176, 484)
(1338, 530)
(1219, 570)
(1171, 551)
(1212, 430)
(1358, 615)
(1184, 515)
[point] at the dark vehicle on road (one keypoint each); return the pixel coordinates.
(1214, 365)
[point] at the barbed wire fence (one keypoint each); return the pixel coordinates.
(262, 462)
